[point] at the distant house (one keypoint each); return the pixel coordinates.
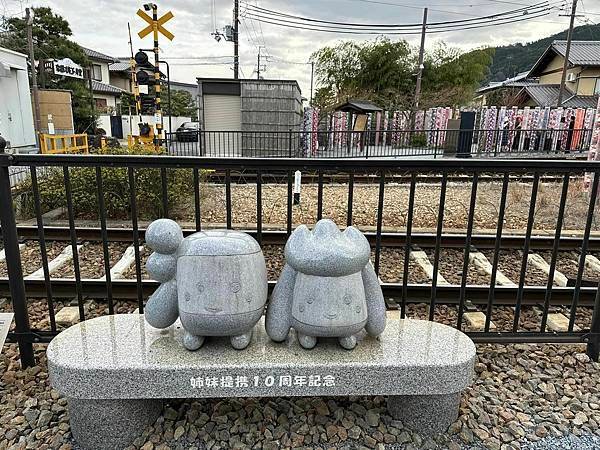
(16, 113)
(503, 92)
(120, 74)
(582, 82)
(106, 95)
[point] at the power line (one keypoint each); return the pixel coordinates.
(407, 30)
(400, 5)
(257, 11)
(197, 57)
(225, 63)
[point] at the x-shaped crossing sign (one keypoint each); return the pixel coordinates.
(159, 25)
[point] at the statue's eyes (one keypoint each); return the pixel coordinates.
(347, 299)
(235, 286)
(200, 288)
(188, 297)
(357, 309)
(248, 299)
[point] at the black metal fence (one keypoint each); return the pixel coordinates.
(378, 144)
(459, 297)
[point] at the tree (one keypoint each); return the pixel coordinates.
(51, 34)
(384, 71)
(182, 104)
(451, 77)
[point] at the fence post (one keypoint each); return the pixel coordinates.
(290, 142)
(13, 261)
(593, 343)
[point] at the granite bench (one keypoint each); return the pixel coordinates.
(114, 371)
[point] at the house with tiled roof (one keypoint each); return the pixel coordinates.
(582, 84)
(106, 93)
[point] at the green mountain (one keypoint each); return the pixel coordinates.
(509, 60)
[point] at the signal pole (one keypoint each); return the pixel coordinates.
(34, 85)
(158, 111)
(563, 77)
(236, 43)
(421, 57)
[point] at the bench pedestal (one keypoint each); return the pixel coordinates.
(427, 414)
(110, 424)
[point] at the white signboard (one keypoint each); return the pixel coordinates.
(67, 68)
(5, 321)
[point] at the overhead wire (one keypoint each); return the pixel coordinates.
(437, 27)
(252, 9)
(416, 32)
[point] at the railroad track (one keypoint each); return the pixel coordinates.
(310, 177)
(417, 289)
(279, 237)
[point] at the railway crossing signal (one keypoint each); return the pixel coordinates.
(155, 26)
(159, 24)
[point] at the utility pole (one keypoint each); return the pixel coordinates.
(34, 85)
(312, 77)
(421, 57)
(563, 77)
(258, 65)
(236, 40)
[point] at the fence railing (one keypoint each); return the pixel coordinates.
(378, 144)
(333, 192)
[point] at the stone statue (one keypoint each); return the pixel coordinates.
(327, 288)
(214, 281)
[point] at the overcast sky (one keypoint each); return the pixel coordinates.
(102, 25)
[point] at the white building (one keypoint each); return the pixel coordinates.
(106, 96)
(16, 114)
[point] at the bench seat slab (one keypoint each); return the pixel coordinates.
(110, 424)
(121, 357)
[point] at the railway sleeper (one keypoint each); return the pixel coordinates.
(482, 263)
(54, 265)
(537, 261)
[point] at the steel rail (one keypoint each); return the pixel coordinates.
(279, 164)
(416, 293)
(279, 237)
(522, 337)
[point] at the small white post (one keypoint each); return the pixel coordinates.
(297, 186)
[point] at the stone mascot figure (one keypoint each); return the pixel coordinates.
(214, 281)
(327, 288)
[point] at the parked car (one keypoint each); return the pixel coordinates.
(187, 132)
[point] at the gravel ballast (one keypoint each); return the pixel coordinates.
(523, 397)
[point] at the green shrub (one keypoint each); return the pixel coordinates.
(115, 182)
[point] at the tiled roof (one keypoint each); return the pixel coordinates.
(93, 54)
(358, 105)
(518, 80)
(119, 67)
(547, 95)
(106, 88)
(581, 101)
(583, 53)
(544, 94)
